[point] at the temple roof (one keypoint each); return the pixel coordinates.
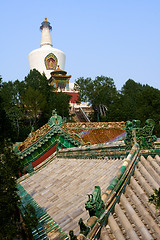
(122, 178)
(61, 187)
(92, 132)
(34, 137)
(134, 217)
(59, 74)
(58, 71)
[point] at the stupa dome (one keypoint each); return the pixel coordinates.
(46, 58)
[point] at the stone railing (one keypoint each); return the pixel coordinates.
(84, 114)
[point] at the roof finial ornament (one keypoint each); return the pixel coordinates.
(45, 24)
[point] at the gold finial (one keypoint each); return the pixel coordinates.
(45, 19)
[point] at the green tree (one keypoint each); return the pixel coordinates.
(149, 106)
(38, 81)
(60, 102)
(15, 114)
(34, 103)
(52, 99)
(11, 224)
(115, 111)
(136, 101)
(149, 103)
(11, 93)
(12, 106)
(30, 103)
(155, 199)
(126, 105)
(10, 166)
(30, 219)
(100, 93)
(6, 128)
(129, 99)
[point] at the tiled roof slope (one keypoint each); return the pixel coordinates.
(134, 217)
(78, 131)
(61, 187)
(56, 135)
(97, 136)
(46, 225)
(94, 132)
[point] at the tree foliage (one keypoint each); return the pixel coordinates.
(29, 103)
(99, 93)
(6, 129)
(155, 199)
(10, 166)
(134, 101)
(30, 219)
(126, 103)
(60, 102)
(34, 104)
(11, 223)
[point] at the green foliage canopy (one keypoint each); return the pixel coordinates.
(98, 92)
(10, 166)
(155, 199)
(29, 103)
(134, 101)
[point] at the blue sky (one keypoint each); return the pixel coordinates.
(115, 38)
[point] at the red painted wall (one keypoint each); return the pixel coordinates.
(44, 156)
(75, 96)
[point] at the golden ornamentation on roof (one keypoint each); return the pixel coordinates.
(59, 73)
(94, 132)
(89, 132)
(34, 137)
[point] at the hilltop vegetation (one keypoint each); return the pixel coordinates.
(134, 101)
(28, 104)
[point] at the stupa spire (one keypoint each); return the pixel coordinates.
(46, 36)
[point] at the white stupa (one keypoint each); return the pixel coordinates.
(46, 58)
